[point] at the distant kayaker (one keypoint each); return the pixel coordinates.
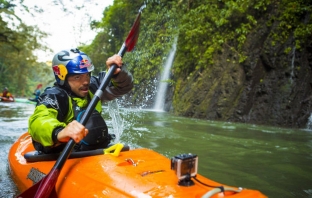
(59, 108)
(6, 95)
(36, 93)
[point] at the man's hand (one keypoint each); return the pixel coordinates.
(115, 59)
(73, 130)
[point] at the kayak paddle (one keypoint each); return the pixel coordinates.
(46, 186)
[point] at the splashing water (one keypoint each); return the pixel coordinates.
(121, 120)
(117, 121)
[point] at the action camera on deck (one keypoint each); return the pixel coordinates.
(185, 167)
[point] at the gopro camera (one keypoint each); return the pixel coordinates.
(185, 165)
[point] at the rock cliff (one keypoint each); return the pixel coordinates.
(273, 86)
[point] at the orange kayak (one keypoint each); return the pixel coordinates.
(130, 173)
(5, 99)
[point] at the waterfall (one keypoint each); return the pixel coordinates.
(309, 124)
(162, 86)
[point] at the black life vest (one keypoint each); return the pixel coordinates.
(98, 136)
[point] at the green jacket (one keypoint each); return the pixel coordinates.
(54, 109)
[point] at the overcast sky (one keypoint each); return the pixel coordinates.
(67, 29)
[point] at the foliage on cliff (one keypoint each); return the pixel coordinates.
(253, 62)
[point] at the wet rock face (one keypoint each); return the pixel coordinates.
(278, 84)
(270, 87)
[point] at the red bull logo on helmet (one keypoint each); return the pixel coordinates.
(56, 70)
(84, 63)
(60, 71)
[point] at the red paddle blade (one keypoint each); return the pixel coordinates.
(133, 35)
(30, 192)
(39, 86)
(45, 188)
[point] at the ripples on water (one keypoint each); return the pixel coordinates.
(275, 161)
(13, 123)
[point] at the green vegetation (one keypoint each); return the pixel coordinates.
(19, 70)
(203, 28)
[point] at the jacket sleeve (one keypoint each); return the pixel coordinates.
(49, 114)
(120, 84)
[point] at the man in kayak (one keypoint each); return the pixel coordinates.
(6, 95)
(59, 108)
(36, 93)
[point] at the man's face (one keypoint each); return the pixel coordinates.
(79, 84)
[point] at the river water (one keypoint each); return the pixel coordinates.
(275, 161)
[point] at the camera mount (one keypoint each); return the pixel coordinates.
(185, 167)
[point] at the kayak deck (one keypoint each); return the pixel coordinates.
(134, 173)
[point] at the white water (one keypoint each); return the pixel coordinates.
(309, 124)
(116, 120)
(162, 86)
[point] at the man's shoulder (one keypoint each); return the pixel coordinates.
(55, 91)
(55, 94)
(54, 97)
